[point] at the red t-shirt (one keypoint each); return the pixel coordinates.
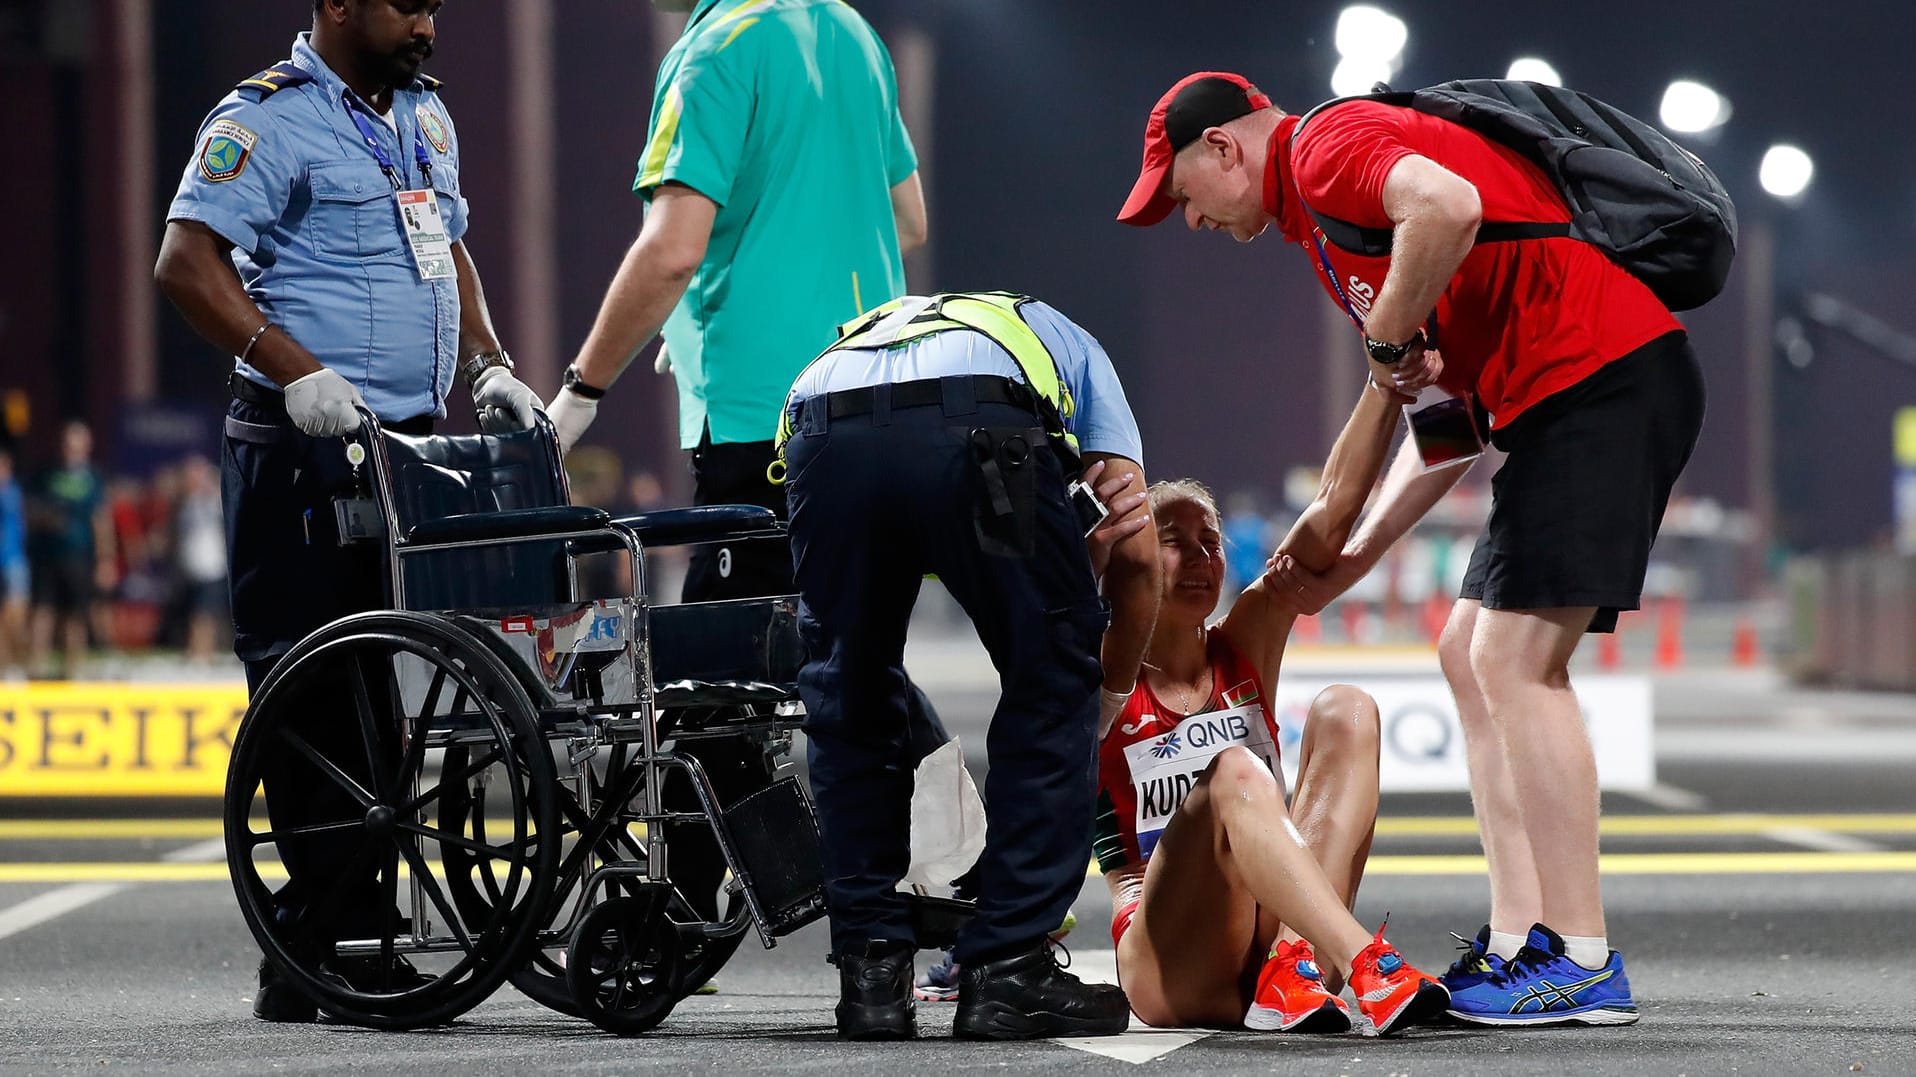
(1521, 320)
(1154, 755)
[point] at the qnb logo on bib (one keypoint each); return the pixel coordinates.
(1361, 295)
(1166, 768)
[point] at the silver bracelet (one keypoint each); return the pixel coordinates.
(254, 339)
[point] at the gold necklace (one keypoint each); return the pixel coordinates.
(1187, 694)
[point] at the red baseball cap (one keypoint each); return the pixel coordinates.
(1197, 103)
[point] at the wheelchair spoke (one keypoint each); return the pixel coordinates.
(390, 899)
(446, 781)
(413, 733)
(368, 724)
(275, 836)
(491, 852)
(327, 767)
(423, 872)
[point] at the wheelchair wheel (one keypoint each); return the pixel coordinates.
(344, 729)
(624, 963)
(471, 882)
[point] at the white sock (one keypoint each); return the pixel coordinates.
(1505, 945)
(1590, 951)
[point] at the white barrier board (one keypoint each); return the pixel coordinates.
(1423, 745)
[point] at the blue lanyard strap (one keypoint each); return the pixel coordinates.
(357, 112)
(1330, 274)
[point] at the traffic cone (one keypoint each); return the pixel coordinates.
(1353, 622)
(1436, 614)
(1609, 650)
(1744, 649)
(1670, 634)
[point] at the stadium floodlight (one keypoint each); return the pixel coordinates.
(1691, 108)
(1786, 171)
(1369, 33)
(1532, 69)
(1356, 75)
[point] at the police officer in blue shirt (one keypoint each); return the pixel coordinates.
(330, 183)
(942, 435)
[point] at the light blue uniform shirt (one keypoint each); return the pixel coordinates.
(316, 234)
(1102, 419)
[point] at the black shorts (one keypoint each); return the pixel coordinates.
(1576, 506)
(65, 585)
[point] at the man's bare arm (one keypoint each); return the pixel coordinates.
(194, 273)
(650, 281)
(908, 211)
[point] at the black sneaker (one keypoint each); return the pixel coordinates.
(1026, 996)
(874, 993)
(280, 1001)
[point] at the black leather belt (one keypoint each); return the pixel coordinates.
(985, 389)
(247, 391)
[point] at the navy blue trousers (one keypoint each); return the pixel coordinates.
(289, 577)
(878, 501)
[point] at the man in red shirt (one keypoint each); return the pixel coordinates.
(1588, 384)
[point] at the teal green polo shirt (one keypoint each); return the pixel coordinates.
(785, 113)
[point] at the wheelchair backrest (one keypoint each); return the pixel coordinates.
(437, 476)
(433, 477)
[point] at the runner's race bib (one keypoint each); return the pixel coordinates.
(1163, 770)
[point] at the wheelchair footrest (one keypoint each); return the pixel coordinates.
(776, 837)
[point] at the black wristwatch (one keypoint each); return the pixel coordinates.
(576, 384)
(1392, 354)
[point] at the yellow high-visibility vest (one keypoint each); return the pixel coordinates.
(995, 314)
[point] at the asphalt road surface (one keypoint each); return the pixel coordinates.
(1762, 894)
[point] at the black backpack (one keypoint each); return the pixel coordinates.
(1649, 204)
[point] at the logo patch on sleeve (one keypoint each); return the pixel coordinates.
(434, 129)
(228, 147)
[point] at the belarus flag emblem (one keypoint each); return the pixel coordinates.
(1240, 694)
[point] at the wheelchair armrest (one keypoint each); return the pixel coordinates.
(513, 523)
(702, 523)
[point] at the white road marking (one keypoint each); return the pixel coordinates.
(1827, 841)
(37, 910)
(1669, 798)
(54, 904)
(1140, 1043)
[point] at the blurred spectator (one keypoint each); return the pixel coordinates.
(71, 548)
(1245, 542)
(200, 546)
(15, 580)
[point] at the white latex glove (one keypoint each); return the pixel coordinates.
(323, 404)
(571, 414)
(662, 363)
(505, 403)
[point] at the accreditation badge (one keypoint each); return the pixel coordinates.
(426, 234)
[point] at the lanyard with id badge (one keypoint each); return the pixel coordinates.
(419, 215)
(1441, 422)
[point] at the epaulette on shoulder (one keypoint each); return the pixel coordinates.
(274, 79)
(429, 84)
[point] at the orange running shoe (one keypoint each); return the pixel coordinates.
(1291, 996)
(1391, 993)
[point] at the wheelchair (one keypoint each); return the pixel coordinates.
(497, 750)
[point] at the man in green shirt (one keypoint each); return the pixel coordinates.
(781, 193)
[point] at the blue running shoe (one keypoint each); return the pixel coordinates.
(1475, 965)
(1541, 986)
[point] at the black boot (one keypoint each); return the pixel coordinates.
(280, 1001)
(874, 992)
(1026, 996)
